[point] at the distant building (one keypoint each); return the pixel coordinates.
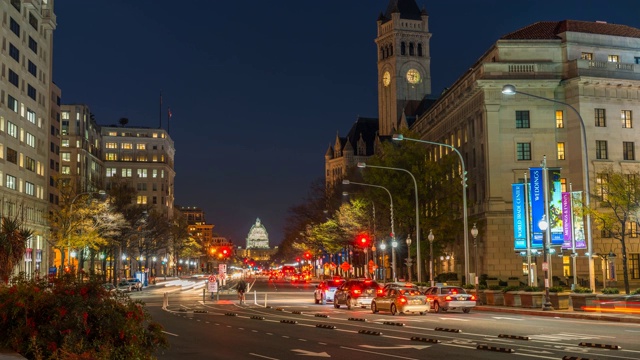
(257, 243)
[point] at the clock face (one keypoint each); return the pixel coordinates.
(413, 76)
(386, 78)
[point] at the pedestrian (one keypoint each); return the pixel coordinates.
(241, 287)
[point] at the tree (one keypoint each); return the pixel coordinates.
(13, 238)
(616, 209)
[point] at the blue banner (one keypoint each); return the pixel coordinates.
(555, 206)
(537, 205)
(519, 217)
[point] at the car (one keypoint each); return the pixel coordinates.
(400, 298)
(445, 298)
(124, 286)
(109, 287)
(325, 291)
(136, 284)
(356, 292)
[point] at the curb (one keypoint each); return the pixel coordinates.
(563, 314)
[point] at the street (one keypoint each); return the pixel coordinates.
(292, 325)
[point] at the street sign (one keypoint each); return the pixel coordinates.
(212, 278)
(222, 269)
(213, 286)
(345, 266)
(545, 266)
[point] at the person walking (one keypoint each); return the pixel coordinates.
(241, 287)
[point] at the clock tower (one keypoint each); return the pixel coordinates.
(404, 62)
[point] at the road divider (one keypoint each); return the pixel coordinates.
(448, 330)
(369, 332)
(356, 319)
(493, 348)
(325, 326)
(288, 321)
(257, 317)
(515, 337)
(434, 341)
(322, 315)
(231, 314)
(393, 323)
(601, 346)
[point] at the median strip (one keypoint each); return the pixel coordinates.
(493, 348)
(393, 323)
(369, 332)
(448, 330)
(601, 346)
(288, 321)
(516, 337)
(415, 338)
(356, 319)
(324, 326)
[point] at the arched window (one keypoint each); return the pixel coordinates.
(411, 50)
(403, 48)
(419, 49)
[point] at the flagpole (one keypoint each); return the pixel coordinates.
(168, 120)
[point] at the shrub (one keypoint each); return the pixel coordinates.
(610, 291)
(495, 287)
(556, 289)
(68, 319)
(469, 286)
(582, 290)
(531, 288)
(514, 278)
(635, 292)
(511, 288)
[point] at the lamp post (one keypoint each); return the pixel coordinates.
(375, 260)
(415, 185)
(394, 245)
(383, 247)
(511, 90)
(393, 233)
(409, 262)
(474, 233)
(100, 192)
(431, 237)
(465, 222)
(153, 262)
(543, 225)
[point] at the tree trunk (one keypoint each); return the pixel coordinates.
(625, 273)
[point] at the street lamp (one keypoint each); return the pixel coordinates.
(465, 222)
(409, 263)
(474, 233)
(383, 247)
(394, 245)
(393, 233)
(415, 185)
(543, 225)
(511, 90)
(431, 237)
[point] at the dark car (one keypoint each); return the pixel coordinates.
(356, 292)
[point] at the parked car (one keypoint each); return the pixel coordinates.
(124, 286)
(443, 297)
(400, 298)
(136, 284)
(356, 292)
(326, 290)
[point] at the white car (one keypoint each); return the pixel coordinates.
(325, 291)
(443, 297)
(135, 284)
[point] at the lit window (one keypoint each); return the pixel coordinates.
(64, 143)
(66, 170)
(65, 115)
(111, 145)
(559, 119)
(127, 146)
(65, 156)
(154, 173)
(586, 56)
(12, 103)
(126, 173)
(613, 58)
(141, 146)
(12, 129)
(127, 158)
(31, 140)
(141, 200)
(111, 172)
(625, 116)
(628, 150)
(11, 182)
(31, 116)
(142, 173)
(111, 157)
(560, 151)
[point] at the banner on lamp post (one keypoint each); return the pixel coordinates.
(519, 213)
(555, 206)
(567, 224)
(578, 221)
(536, 194)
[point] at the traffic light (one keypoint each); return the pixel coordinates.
(307, 255)
(363, 240)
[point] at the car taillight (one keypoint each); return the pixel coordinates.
(379, 291)
(448, 298)
(402, 299)
(473, 298)
(356, 291)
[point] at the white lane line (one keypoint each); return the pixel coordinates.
(262, 356)
(168, 333)
(378, 353)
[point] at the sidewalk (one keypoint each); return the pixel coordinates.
(584, 315)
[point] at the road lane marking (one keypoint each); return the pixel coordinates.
(310, 353)
(417, 347)
(168, 333)
(378, 353)
(262, 356)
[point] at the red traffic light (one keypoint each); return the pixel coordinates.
(307, 255)
(364, 240)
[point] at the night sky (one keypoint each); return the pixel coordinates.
(258, 89)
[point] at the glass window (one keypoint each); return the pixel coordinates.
(559, 119)
(14, 52)
(31, 140)
(141, 200)
(126, 173)
(65, 156)
(141, 146)
(586, 56)
(12, 129)
(31, 91)
(29, 188)
(625, 116)
(613, 58)
(127, 146)
(560, 147)
(31, 116)
(15, 27)
(522, 119)
(14, 78)
(142, 173)
(628, 150)
(33, 45)
(12, 103)
(523, 151)
(601, 120)
(111, 157)
(602, 186)
(66, 170)
(601, 150)
(11, 182)
(111, 172)
(33, 69)
(12, 155)
(64, 143)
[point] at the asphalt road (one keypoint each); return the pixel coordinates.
(292, 325)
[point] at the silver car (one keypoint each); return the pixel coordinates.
(356, 293)
(444, 297)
